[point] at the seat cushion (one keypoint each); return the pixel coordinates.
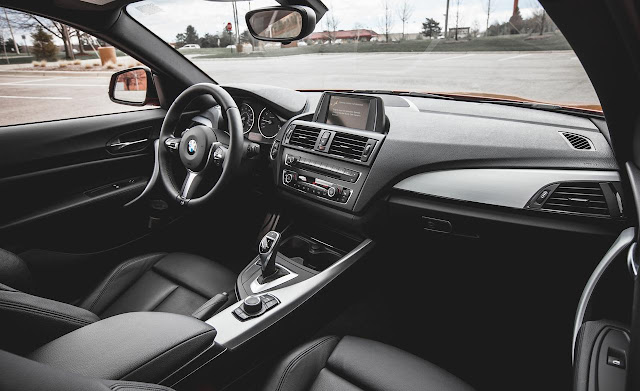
(351, 364)
(175, 282)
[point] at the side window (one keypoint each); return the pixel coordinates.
(50, 71)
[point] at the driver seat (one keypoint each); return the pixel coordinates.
(175, 282)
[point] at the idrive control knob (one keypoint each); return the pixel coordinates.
(252, 304)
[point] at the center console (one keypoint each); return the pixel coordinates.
(328, 158)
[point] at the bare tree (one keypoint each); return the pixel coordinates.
(405, 11)
(489, 6)
(62, 31)
(331, 25)
(13, 38)
(386, 21)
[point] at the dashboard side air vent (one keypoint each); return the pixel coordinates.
(349, 146)
(585, 198)
(578, 142)
(304, 136)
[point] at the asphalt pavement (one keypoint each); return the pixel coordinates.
(545, 76)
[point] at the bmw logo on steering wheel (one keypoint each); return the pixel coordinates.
(192, 147)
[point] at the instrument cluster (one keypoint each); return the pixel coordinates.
(258, 122)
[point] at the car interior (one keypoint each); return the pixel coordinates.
(255, 237)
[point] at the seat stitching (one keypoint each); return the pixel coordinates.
(116, 273)
(343, 377)
(42, 311)
(299, 358)
(164, 298)
(176, 281)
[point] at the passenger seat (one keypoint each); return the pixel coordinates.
(352, 364)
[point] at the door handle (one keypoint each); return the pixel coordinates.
(127, 146)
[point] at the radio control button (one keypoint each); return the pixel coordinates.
(331, 192)
(288, 178)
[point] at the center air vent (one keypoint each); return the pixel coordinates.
(304, 136)
(578, 142)
(349, 146)
(578, 197)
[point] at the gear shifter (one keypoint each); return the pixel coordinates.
(268, 250)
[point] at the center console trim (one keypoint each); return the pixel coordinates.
(233, 333)
(256, 287)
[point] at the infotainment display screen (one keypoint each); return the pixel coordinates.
(351, 112)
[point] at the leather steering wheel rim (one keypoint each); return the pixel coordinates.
(232, 157)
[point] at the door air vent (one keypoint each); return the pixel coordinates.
(578, 142)
(349, 146)
(585, 198)
(304, 136)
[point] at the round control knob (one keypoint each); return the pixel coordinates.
(331, 191)
(288, 178)
(252, 304)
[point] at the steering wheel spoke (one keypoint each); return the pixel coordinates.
(189, 187)
(172, 143)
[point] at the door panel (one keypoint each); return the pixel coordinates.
(63, 184)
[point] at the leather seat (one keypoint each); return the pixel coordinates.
(177, 282)
(352, 364)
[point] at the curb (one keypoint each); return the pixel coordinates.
(56, 73)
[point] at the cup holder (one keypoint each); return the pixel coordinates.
(309, 253)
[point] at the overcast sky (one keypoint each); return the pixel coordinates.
(167, 18)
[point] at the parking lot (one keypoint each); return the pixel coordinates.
(553, 77)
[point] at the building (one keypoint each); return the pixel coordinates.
(463, 32)
(361, 35)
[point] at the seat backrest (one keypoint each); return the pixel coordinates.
(29, 321)
(14, 272)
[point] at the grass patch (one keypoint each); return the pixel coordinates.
(26, 59)
(555, 41)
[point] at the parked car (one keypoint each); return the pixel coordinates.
(191, 46)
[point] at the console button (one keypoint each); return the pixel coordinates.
(252, 304)
(331, 192)
(288, 178)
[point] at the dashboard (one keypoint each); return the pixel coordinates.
(340, 154)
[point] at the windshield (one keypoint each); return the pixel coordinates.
(496, 48)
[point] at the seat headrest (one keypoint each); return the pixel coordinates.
(14, 272)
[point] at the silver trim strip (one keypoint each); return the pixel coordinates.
(502, 187)
(624, 240)
(257, 287)
(233, 333)
(154, 176)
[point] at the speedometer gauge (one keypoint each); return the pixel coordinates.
(248, 117)
(268, 124)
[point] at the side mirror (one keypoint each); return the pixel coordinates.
(133, 87)
(281, 24)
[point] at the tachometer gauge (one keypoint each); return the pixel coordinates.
(268, 124)
(248, 117)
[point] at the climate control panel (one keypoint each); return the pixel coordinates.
(316, 186)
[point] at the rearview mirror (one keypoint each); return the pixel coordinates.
(281, 24)
(133, 87)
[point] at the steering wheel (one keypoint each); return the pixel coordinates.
(198, 148)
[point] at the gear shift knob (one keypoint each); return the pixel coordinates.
(268, 250)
